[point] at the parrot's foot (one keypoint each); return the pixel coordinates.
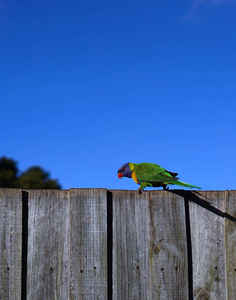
(165, 187)
(140, 190)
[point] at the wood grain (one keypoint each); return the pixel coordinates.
(150, 251)
(168, 246)
(88, 244)
(48, 245)
(230, 244)
(130, 245)
(208, 246)
(10, 243)
(94, 243)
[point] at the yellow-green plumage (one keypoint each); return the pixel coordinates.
(153, 175)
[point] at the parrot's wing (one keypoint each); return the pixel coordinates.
(153, 173)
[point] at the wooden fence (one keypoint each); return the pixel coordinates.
(100, 244)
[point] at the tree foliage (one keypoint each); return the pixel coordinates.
(37, 178)
(8, 172)
(33, 178)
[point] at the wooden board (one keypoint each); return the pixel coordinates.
(150, 249)
(208, 245)
(10, 243)
(88, 244)
(130, 245)
(48, 245)
(230, 244)
(168, 246)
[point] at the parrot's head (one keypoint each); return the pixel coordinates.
(125, 171)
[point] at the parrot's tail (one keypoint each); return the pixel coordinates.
(184, 184)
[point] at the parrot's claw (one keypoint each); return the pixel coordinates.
(140, 190)
(165, 188)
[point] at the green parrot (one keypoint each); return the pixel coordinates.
(146, 174)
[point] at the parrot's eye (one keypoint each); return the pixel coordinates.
(123, 169)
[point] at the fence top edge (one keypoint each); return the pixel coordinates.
(117, 190)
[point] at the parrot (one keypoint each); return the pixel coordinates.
(153, 175)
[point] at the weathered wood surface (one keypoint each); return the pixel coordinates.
(48, 245)
(94, 243)
(168, 246)
(130, 245)
(208, 247)
(230, 244)
(10, 243)
(88, 244)
(150, 251)
(67, 244)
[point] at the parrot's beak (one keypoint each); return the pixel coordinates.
(120, 175)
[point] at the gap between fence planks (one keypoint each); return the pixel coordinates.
(165, 244)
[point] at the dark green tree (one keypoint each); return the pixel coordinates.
(8, 172)
(33, 178)
(36, 178)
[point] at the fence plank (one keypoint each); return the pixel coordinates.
(168, 246)
(88, 244)
(10, 243)
(230, 244)
(208, 249)
(150, 250)
(130, 245)
(48, 245)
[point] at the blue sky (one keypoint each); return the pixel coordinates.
(86, 86)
